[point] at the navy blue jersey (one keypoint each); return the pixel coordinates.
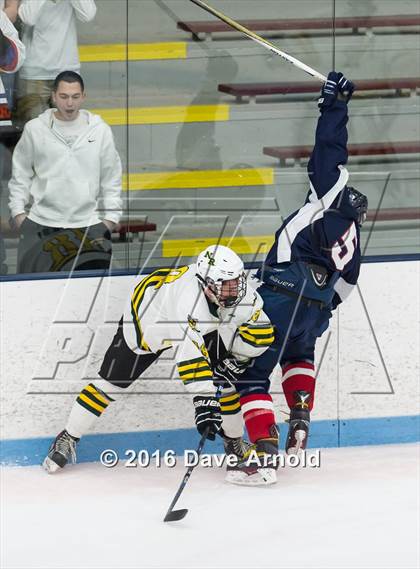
(324, 232)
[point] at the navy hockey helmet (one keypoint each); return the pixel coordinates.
(359, 202)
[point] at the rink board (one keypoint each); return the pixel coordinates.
(367, 389)
(324, 434)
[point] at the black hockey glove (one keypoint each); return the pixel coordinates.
(336, 83)
(228, 371)
(207, 415)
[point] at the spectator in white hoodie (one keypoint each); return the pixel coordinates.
(50, 37)
(67, 166)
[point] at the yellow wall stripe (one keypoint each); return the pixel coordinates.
(164, 115)
(242, 245)
(199, 179)
(136, 51)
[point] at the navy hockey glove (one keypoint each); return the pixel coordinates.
(345, 87)
(207, 415)
(336, 83)
(329, 91)
(229, 371)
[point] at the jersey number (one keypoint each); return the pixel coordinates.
(343, 249)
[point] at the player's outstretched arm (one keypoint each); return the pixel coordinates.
(330, 151)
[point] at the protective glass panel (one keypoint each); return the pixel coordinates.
(213, 130)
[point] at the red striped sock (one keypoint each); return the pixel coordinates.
(298, 376)
(258, 413)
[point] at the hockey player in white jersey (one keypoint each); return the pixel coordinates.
(183, 309)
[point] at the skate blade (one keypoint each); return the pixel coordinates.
(263, 477)
(300, 436)
(50, 466)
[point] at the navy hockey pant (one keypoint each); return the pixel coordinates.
(297, 324)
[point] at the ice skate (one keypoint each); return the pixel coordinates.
(237, 448)
(61, 451)
(257, 465)
(298, 434)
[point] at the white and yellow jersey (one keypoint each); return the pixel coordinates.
(168, 308)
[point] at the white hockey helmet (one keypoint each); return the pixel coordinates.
(222, 275)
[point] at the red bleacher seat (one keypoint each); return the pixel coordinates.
(366, 149)
(135, 226)
(394, 214)
(286, 25)
(240, 90)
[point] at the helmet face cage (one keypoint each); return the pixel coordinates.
(226, 293)
(360, 203)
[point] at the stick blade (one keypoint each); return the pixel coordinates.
(175, 515)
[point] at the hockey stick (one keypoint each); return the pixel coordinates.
(176, 515)
(259, 39)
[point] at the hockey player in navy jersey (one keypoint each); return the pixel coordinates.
(311, 268)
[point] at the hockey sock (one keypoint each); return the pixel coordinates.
(298, 376)
(230, 409)
(89, 406)
(258, 412)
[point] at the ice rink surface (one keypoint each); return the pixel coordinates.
(358, 510)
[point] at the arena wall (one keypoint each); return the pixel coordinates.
(54, 333)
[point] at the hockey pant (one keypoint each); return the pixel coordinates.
(298, 325)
